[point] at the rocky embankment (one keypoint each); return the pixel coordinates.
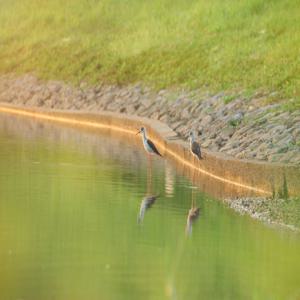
(236, 126)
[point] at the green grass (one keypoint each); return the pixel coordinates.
(228, 98)
(220, 45)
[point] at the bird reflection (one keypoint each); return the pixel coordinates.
(180, 249)
(147, 202)
(150, 198)
(192, 215)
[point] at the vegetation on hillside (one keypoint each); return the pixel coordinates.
(220, 44)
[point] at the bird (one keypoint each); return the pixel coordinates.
(147, 202)
(194, 146)
(192, 217)
(148, 144)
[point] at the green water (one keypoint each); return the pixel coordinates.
(69, 207)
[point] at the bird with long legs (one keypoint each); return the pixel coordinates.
(148, 144)
(149, 199)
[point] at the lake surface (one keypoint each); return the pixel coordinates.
(74, 224)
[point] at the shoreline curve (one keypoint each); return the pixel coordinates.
(216, 173)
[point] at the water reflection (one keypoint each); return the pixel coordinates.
(150, 198)
(32, 129)
(146, 203)
(192, 215)
(169, 180)
(61, 191)
(194, 211)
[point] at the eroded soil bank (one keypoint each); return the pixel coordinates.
(240, 128)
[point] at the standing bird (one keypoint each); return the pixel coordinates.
(194, 146)
(148, 144)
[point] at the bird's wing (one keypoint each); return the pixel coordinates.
(153, 147)
(196, 149)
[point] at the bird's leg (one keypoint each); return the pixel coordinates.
(193, 182)
(149, 174)
(193, 200)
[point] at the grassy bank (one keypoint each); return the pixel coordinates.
(222, 45)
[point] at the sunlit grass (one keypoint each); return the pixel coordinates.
(219, 45)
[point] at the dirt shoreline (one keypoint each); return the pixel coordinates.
(240, 128)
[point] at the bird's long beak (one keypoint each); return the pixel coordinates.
(138, 132)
